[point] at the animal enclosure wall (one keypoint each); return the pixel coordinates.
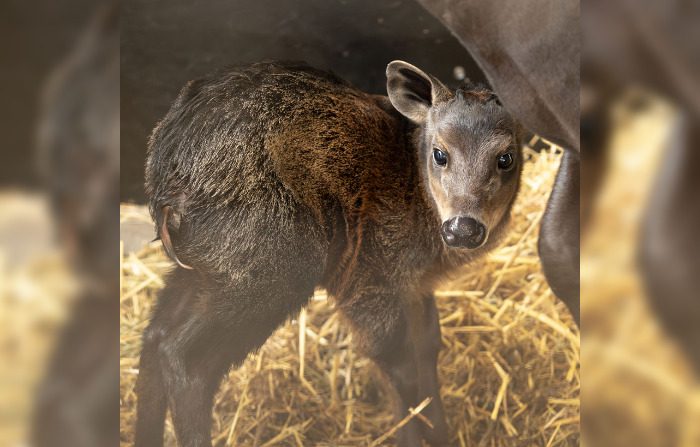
(162, 48)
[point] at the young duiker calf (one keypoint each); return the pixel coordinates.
(270, 180)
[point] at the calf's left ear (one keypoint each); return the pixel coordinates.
(412, 92)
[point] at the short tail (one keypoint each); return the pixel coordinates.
(163, 215)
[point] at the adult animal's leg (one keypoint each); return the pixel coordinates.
(559, 234)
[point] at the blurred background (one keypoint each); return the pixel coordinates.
(37, 36)
(59, 199)
(59, 223)
(640, 213)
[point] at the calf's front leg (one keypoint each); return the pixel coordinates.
(424, 329)
(402, 337)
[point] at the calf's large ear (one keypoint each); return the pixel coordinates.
(412, 92)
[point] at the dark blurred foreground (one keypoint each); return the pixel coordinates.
(640, 259)
(78, 158)
(640, 103)
(60, 382)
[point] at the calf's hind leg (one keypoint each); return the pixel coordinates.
(198, 330)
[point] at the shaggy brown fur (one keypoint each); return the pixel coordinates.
(273, 179)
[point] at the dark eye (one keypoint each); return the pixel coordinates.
(505, 162)
(440, 157)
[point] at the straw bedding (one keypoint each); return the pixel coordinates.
(509, 368)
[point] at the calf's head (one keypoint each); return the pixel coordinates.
(468, 150)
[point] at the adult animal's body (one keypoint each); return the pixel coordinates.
(529, 52)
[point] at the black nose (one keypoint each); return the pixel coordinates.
(463, 231)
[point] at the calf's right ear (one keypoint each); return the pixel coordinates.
(411, 91)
